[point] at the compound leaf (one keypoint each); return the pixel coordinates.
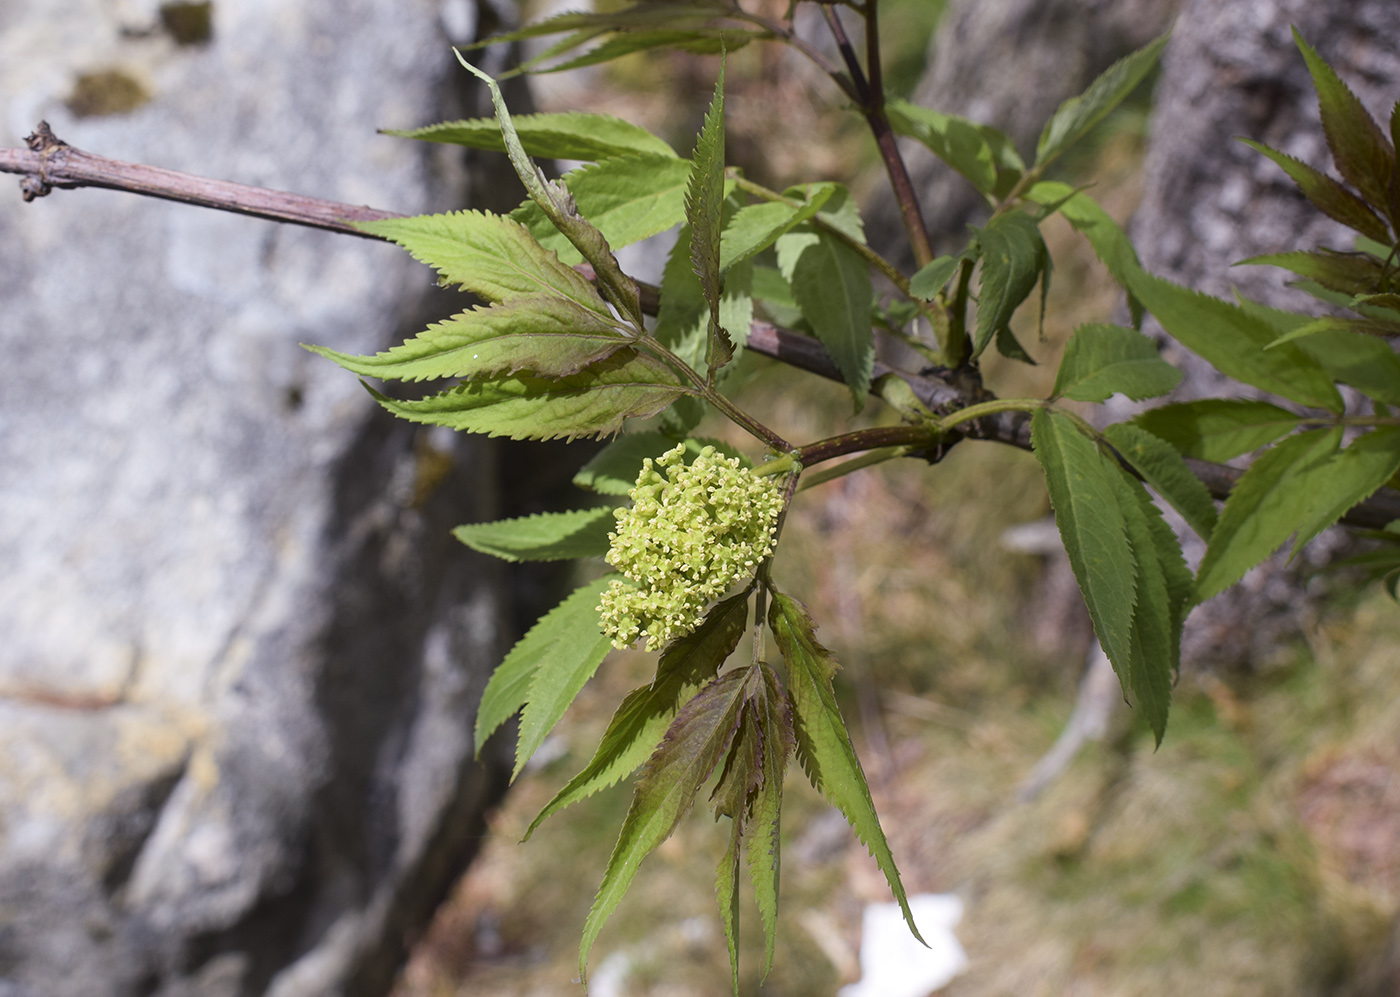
(568, 135)
(564, 634)
(1161, 467)
(1102, 360)
(546, 536)
(823, 743)
(1218, 429)
(831, 283)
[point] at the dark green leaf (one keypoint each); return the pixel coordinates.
(1218, 429)
(627, 198)
(1162, 467)
(1349, 273)
(983, 155)
(1077, 115)
(727, 893)
(1328, 196)
(570, 135)
(636, 728)
(929, 282)
(693, 745)
(1333, 323)
(761, 833)
(546, 536)
(493, 257)
(704, 210)
(683, 318)
(1013, 257)
(1362, 151)
(1084, 494)
(771, 288)
(702, 41)
(823, 743)
(1353, 476)
(541, 334)
(565, 637)
(831, 283)
(1103, 360)
(593, 402)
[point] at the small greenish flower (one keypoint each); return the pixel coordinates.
(691, 533)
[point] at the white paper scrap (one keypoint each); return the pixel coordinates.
(894, 964)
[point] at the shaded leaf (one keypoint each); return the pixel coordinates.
(727, 893)
(1077, 115)
(542, 334)
(546, 536)
(1334, 323)
(1218, 429)
(637, 726)
(831, 284)
(761, 834)
(1103, 360)
(593, 402)
(1013, 257)
(692, 747)
(1349, 273)
(822, 741)
(983, 155)
(704, 210)
(1354, 475)
(1326, 194)
(569, 135)
(564, 637)
(1161, 467)
(929, 282)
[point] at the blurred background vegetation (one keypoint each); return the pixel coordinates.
(1257, 852)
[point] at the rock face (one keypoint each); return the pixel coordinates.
(241, 651)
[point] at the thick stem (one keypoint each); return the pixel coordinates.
(867, 439)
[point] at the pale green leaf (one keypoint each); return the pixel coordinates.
(1013, 257)
(755, 227)
(929, 282)
(541, 334)
(593, 402)
(1077, 115)
(568, 135)
(564, 634)
(736, 303)
(823, 742)
(842, 214)
(1218, 429)
(546, 536)
(692, 747)
(1161, 467)
(636, 728)
(831, 284)
(1103, 360)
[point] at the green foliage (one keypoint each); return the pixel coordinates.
(831, 284)
(549, 536)
(984, 156)
(572, 135)
(1013, 259)
(1103, 360)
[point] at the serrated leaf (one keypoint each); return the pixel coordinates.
(636, 728)
(683, 317)
(755, 227)
(1103, 360)
(545, 536)
(727, 893)
(563, 637)
(1326, 194)
(692, 747)
(701, 41)
(1265, 508)
(627, 198)
(1161, 467)
(930, 280)
(1354, 475)
(568, 135)
(831, 284)
(593, 402)
(1335, 323)
(822, 741)
(704, 211)
(736, 303)
(841, 213)
(1362, 151)
(494, 258)
(1218, 429)
(1077, 115)
(648, 14)
(983, 155)
(761, 832)
(1013, 257)
(1009, 346)
(614, 469)
(542, 334)
(1083, 494)
(1349, 273)
(773, 290)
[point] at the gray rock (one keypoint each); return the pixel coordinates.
(242, 652)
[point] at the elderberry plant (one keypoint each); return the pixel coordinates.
(566, 344)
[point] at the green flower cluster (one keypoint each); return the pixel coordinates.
(688, 537)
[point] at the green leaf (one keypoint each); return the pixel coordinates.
(1013, 258)
(1334, 323)
(628, 198)
(570, 135)
(683, 317)
(546, 536)
(564, 637)
(1328, 196)
(772, 289)
(693, 746)
(1362, 151)
(636, 728)
(1162, 467)
(1354, 475)
(736, 303)
(593, 402)
(761, 833)
(1103, 360)
(983, 155)
(541, 334)
(704, 211)
(929, 282)
(842, 214)
(823, 743)
(1218, 429)
(648, 14)
(831, 283)
(1083, 492)
(494, 258)
(1349, 273)
(727, 893)
(755, 227)
(1077, 115)
(702, 41)
(1266, 507)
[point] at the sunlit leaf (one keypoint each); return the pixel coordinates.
(546, 536)
(755, 227)
(568, 135)
(983, 155)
